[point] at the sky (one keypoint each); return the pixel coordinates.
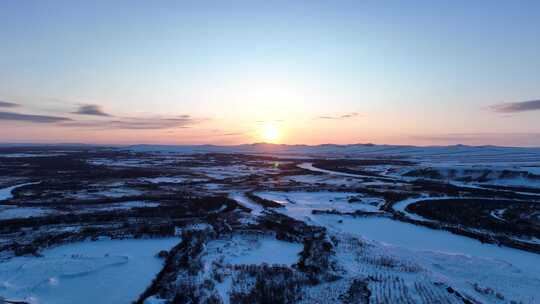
(292, 72)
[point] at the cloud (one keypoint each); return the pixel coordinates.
(93, 110)
(137, 123)
(339, 117)
(513, 107)
(6, 104)
(108, 122)
(232, 134)
(12, 116)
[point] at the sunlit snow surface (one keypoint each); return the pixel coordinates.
(107, 271)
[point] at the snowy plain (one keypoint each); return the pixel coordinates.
(104, 271)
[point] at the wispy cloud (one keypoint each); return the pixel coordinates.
(513, 107)
(12, 116)
(232, 134)
(136, 123)
(5, 104)
(92, 110)
(339, 117)
(106, 122)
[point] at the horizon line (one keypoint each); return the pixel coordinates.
(14, 144)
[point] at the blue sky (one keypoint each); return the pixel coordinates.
(420, 72)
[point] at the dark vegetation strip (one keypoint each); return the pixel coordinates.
(261, 201)
(185, 207)
(476, 213)
(183, 256)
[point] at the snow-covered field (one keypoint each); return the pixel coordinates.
(439, 154)
(104, 193)
(232, 171)
(172, 180)
(12, 212)
(300, 205)
(457, 260)
(368, 248)
(121, 206)
(20, 155)
(106, 271)
(246, 250)
(391, 232)
(323, 179)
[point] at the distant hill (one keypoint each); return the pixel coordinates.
(456, 153)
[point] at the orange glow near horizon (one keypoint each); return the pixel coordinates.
(270, 133)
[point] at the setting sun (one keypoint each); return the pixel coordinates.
(270, 133)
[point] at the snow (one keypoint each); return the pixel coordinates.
(111, 271)
(324, 179)
(117, 163)
(198, 227)
(300, 204)
(269, 251)
(256, 249)
(7, 193)
(24, 155)
(223, 289)
(109, 193)
(450, 154)
(232, 171)
(532, 170)
(498, 214)
(388, 231)
(309, 166)
(171, 180)
(401, 206)
(13, 212)
(154, 300)
(397, 271)
(240, 198)
(122, 206)
(213, 186)
(484, 174)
